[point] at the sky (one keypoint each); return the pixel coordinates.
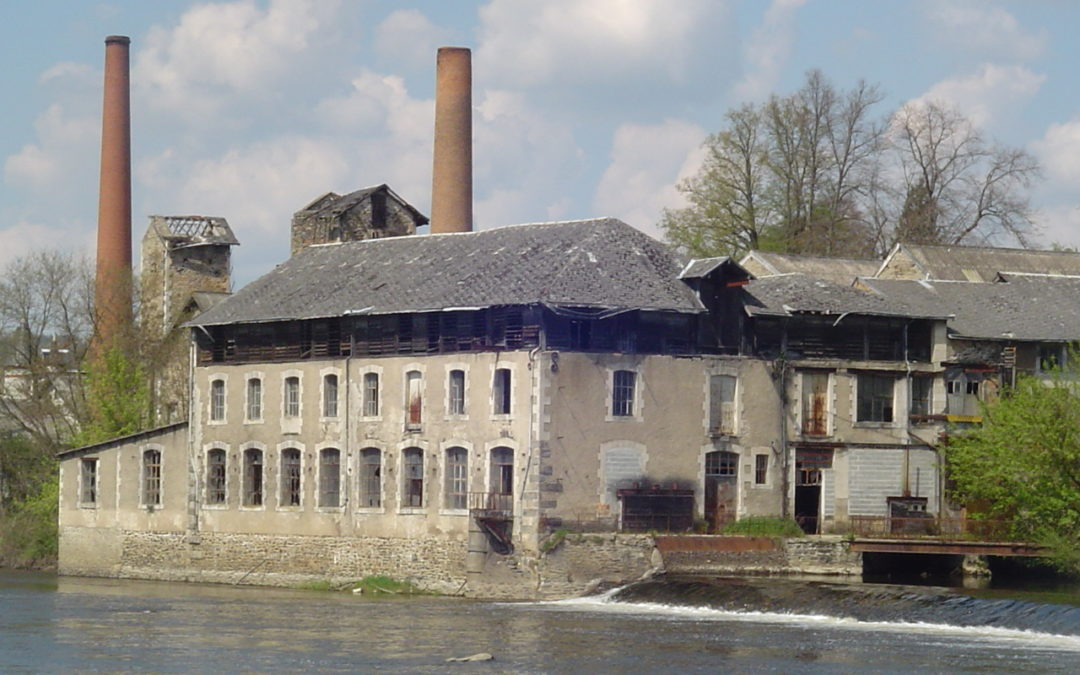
(249, 109)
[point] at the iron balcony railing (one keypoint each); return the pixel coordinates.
(491, 504)
(928, 527)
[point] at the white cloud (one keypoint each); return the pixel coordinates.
(980, 27)
(1059, 223)
(408, 38)
(65, 145)
(989, 94)
(1059, 153)
(646, 163)
(767, 51)
(25, 237)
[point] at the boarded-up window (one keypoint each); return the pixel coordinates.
(371, 394)
(412, 488)
(815, 404)
(414, 403)
(151, 470)
(290, 477)
(370, 478)
(88, 470)
(722, 404)
(456, 393)
(457, 478)
(622, 467)
(329, 477)
(215, 476)
(253, 477)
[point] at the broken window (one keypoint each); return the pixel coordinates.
(622, 393)
(370, 478)
(254, 399)
(371, 394)
(815, 404)
(962, 389)
(330, 396)
(501, 391)
(414, 402)
(722, 404)
(502, 471)
(921, 393)
(875, 398)
(412, 489)
(88, 488)
(761, 469)
(1049, 355)
(456, 392)
(290, 477)
(292, 396)
(330, 477)
(151, 470)
(253, 477)
(215, 476)
(457, 478)
(217, 400)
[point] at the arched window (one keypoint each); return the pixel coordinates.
(254, 399)
(330, 396)
(217, 400)
(412, 476)
(253, 477)
(457, 478)
(215, 476)
(330, 477)
(290, 477)
(151, 470)
(370, 478)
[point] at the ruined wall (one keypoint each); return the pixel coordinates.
(357, 223)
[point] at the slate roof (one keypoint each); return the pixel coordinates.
(600, 263)
(1023, 308)
(837, 270)
(789, 294)
(701, 267)
(331, 204)
(976, 263)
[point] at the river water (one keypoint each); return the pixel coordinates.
(50, 624)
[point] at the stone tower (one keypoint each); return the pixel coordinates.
(370, 213)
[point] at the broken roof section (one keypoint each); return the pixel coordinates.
(791, 294)
(603, 264)
(837, 270)
(973, 263)
(1022, 308)
(182, 231)
(333, 205)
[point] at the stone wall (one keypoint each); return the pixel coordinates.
(758, 555)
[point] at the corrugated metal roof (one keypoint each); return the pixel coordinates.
(1026, 308)
(788, 294)
(836, 270)
(588, 263)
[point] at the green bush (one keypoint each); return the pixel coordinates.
(28, 531)
(764, 526)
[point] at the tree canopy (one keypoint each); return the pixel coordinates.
(1022, 465)
(820, 172)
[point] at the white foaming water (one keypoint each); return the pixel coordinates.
(988, 636)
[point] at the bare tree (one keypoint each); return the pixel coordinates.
(958, 187)
(45, 324)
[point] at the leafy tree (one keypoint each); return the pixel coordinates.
(118, 397)
(1023, 464)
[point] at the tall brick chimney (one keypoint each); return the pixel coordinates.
(112, 295)
(451, 179)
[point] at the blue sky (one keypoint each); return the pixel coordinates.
(249, 109)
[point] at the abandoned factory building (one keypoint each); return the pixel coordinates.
(423, 405)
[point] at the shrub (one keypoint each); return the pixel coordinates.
(764, 526)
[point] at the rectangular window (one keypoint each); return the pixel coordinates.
(815, 404)
(722, 404)
(412, 490)
(921, 388)
(502, 471)
(721, 463)
(290, 477)
(501, 391)
(622, 393)
(151, 493)
(330, 396)
(330, 477)
(88, 484)
(215, 476)
(456, 392)
(371, 394)
(414, 403)
(761, 469)
(253, 477)
(217, 400)
(875, 403)
(254, 399)
(370, 478)
(292, 397)
(457, 478)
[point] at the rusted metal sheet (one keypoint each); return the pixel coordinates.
(714, 543)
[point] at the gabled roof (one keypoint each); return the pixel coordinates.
(973, 263)
(700, 268)
(1022, 308)
(601, 263)
(837, 270)
(791, 294)
(331, 204)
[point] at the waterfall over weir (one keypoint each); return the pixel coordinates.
(860, 602)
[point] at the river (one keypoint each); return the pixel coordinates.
(50, 624)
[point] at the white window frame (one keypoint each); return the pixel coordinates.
(143, 451)
(248, 378)
(444, 467)
(211, 379)
(464, 414)
(609, 395)
(409, 425)
(324, 374)
(363, 372)
(95, 484)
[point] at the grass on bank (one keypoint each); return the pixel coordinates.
(764, 526)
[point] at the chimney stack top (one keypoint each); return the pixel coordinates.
(122, 39)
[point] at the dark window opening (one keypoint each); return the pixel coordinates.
(253, 477)
(761, 469)
(215, 476)
(501, 391)
(88, 488)
(370, 478)
(875, 398)
(330, 477)
(290, 477)
(412, 490)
